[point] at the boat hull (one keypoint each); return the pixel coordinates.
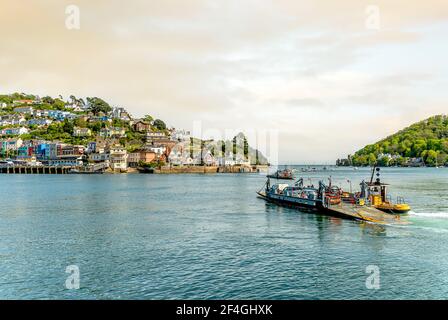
(280, 177)
(292, 202)
(394, 210)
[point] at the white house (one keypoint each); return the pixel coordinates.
(14, 131)
(27, 110)
(118, 158)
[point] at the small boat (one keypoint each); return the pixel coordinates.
(145, 170)
(377, 194)
(285, 174)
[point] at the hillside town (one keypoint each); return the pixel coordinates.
(93, 136)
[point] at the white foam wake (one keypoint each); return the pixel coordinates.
(443, 215)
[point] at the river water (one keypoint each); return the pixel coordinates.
(209, 237)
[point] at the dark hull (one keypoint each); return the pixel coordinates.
(318, 208)
(272, 176)
(146, 170)
(289, 203)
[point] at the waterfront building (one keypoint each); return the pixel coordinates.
(118, 158)
(8, 145)
(70, 155)
(102, 157)
(143, 155)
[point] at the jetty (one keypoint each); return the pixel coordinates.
(35, 169)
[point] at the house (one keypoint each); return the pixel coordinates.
(82, 132)
(120, 113)
(208, 159)
(23, 102)
(143, 155)
(118, 158)
(14, 131)
(68, 155)
(158, 149)
(39, 122)
(155, 136)
(142, 126)
(180, 135)
(60, 115)
(40, 113)
(113, 132)
(12, 120)
(27, 110)
(8, 145)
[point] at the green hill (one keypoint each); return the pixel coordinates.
(425, 141)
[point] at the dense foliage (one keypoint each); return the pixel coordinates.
(427, 139)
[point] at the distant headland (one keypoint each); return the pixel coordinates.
(424, 143)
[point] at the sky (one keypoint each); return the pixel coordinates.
(321, 78)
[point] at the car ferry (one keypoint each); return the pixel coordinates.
(327, 200)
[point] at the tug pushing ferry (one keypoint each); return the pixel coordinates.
(371, 204)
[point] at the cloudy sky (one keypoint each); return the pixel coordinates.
(329, 76)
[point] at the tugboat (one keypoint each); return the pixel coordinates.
(285, 174)
(379, 198)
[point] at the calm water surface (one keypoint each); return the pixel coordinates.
(210, 237)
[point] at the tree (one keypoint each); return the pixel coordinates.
(159, 124)
(67, 126)
(98, 105)
(431, 158)
(148, 118)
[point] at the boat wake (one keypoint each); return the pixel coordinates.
(438, 215)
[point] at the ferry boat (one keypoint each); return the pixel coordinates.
(301, 196)
(285, 174)
(326, 200)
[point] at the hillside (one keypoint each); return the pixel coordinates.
(31, 120)
(423, 143)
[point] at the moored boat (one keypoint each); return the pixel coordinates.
(285, 174)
